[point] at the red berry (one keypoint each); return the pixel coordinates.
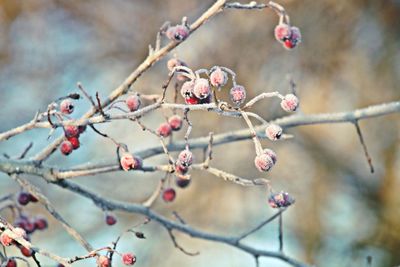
(71, 131)
(290, 103)
(273, 132)
(110, 219)
(5, 239)
(103, 261)
(133, 102)
(201, 88)
(41, 223)
(66, 106)
(175, 122)
(128, 161)
(26, 251)
(192, 100)
(30, 227)
(185, 158)
(282, 32)
(74, 142)
(24, 198)
(177, 33)
(66, 147)
(169, 195)
(11, 263)
(238, 94)
(218, 77)
(128, 259)
(164, 129)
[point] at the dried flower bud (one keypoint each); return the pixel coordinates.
(66, 106)
(175, 122)
(289, 103)
(177, 33)
(164, 129)
(280, 200)
(201, 88)
(273, 132)
(103, 261)
(218, 77)
(128, 258)
(185, 158)
(238, 94)
(71, 131)
(133, 102)
(66, 147)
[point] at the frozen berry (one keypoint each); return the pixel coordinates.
(127, 161)
(74, 142)
(41, 223)
(11, 263)
(133, 102)
(71, 131)
(5, 239)
(218, 77)
(273, 132)
(289, 103)
(192, 100)
(110, 219)
(24, 198)
(164, 129)
(201, 88)
(238, 95)
(263, 162)
(280, 200)
(177, 33)
(182, 181)
(271, 153)
(66, 147)
(282, 32)
(66, 106)
(103, 261)
(187, 89)
(185, 158)
(180, 169)
(128, 258)
(175, 122)
(27, 252)
(169, 195)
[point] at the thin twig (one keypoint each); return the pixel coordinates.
(280, 236)
(364, 146)
(179, 246)
(88, 97)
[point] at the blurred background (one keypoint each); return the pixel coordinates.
(349, 58)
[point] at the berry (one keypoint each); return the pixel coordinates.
(294, 39)
(192, 100)
(11, 263)
(103, 261)
(272, 154)
(66, 148)
(282, 32)
(265, 161)
(280, 200)
(169, 195)
(177, 33)
(180, 169)
(40, 223)
(81, 128)
(182, 181)
(133, 102)
(289, 103)
(29, 226)
(164, 129)
(24, 198)
(218, 77)
(71, 131)
(110, 219)
(174, 62)
(175, 122)
(128, 258)
(185, 158)
(127, 162)
(66, 106)
(74, 142)
(27, 252)
(201, 88)
(187, 89)
(238, 95)
(5, 239)
(273, 132)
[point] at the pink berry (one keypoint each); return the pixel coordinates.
(66, 147)
(201, 88)
(164, 129)
(169, 195)
(127, 161)
(182, 181)
(294, 39)
(280, 200)
(175, 122)
(185, 158)
(273, 132)
(272, 154)
(180, 169)
(5, 239)
(133, 102)
(218, 77)
(238, 95)
(11, 263)
(264, 162)
(74, 142)
(128, 259)
(110, 219)
(282, 32)
(177, 33)
(40, 223)
(289, 103)
(187, 89)
(103, 261)
(66, 106)
(71, 131)
(24, 198)
(26, 251)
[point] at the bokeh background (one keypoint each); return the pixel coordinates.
(349, 58)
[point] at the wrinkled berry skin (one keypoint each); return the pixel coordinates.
(290, 103)
(74, 142)
(164, 129)
(238, 95)
(66, 106)
(110, 219)
(24, 198)
(175, 122)
(201, 88)
(133, 102)
(127, 162)
(66, 147)
(185, 158)
(103, 261)
(280, 200)
(177, 33)
(128, 259)
(71, 131)
(11, 263)
(273, 132)
(218, 77)
(169, 195)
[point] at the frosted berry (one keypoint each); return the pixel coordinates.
(175, 122)
(127, 161)
(164, 129)
(27, 252)
(182, 181)
(218, 77)
(180, 169)
(238, 94)
(271, 153)
(128, 259)
(177, 33)
(169, 195)
(71, 131)
(289, 103)
(282, 32)
(74, 142)
(174, 62)
(103, 261)
(192, 100)
(264, 162)
(110, 219)
(294, 39)
(66, 106)
(5, 239)
(66, 147)
(29, 226)
(273, 132)
(280, 200)
(40, 223)
(201, 88)
(185, 158)
(24, 198)
(187, 89)
(133, 102)
(11, 263)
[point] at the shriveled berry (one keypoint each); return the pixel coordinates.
(11, 263)
(218, 77)
(289, 103)
(185, 158)
(177, 33)
(133, 102)
(201, 88)
(280, 200)
(238, 94)
(187, 89)
(66, 106)
(264, 162)
(74, 142)
(273, 132)
(71, 131)
(282, 32)
(27, 252)
(127, 161)
(66, 147)
(128, 259)
(24, 198)
(175, 122)
(169, 195)
(182, 181)
(5, 239)
(40, 223)
(164, 129)
(110, 219)
(103, 261)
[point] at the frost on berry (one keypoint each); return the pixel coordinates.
(174, 62)
(128, 259)
(218, 77)
(74, 142)
(175, 122)
(271, 153)
(11, 263)
(66, 147)
(280, 200)
(71, 131)
(164, 129)
(40, 223)
(169, 195)
(290, 37)
(128, 162)
(273, 132)
(110, 219)
(185, 158)
(133, 102)
(187, 89)
(180, 169)
(103, 261)
(177, 33)
(66, 106)
(238, 94)
(201, 88)
(289, 103)
(266, 160)
(5, 239)
(282, 32)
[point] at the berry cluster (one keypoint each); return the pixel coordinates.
(10, 236)
(289, 36)
(127, 259)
